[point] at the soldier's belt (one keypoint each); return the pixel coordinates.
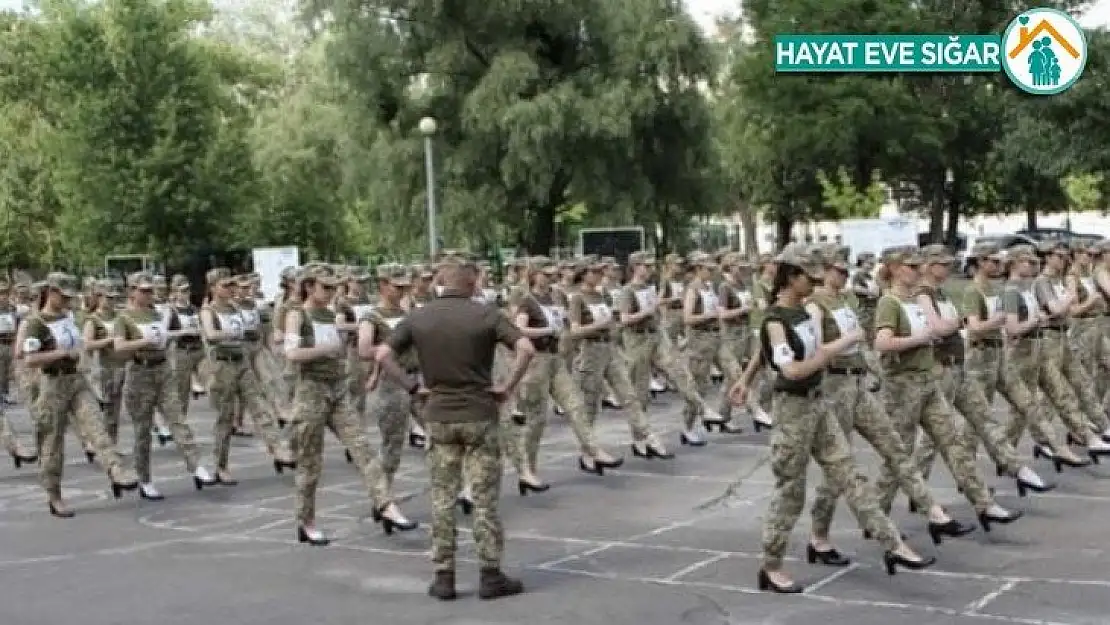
(60, 367)
(637, 330)
(950, 361)
(193, 344)
(596, 339)
(988, 343)
(847, 370)
(229, 357)
(808, 393)
(149, 361)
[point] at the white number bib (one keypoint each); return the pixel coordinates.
(7, 323)
(919, 323)
(65, 333)
(231, 323)
(392, 322)
(1031, 304)
(994, 304)
(846, 321)
(251, 319)
(189, 322)
(154, 331)
(361, 311)
(745, 298)
(164, 312)
(600, 312)
(1089, 284)
(554, 316)
(708, 301)
(677, 288)
(646, 298)
(807, 332)
(947, 311)
(1060, 291)
(324, 334)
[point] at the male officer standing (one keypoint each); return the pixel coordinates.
(455, 338)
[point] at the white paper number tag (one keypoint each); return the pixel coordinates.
(65, 333)
(847, 321)
(708, 301)
(600, 312)
(155, 332)
(808, 335)
(7, 323)
(919, 323)
(646, 298)
(554, 317)
(324, 334)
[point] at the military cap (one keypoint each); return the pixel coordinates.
(903, 255)
(219, 274)
(158, 280)
(735, 259)
(112, 287)
(673, 259)
(322, 273)
(179, 282)
(799, 255)
(720, 254)
(986, 249)
(937, 254)
(539, 261)
(288, 274)
(140, 280)
(1021, 252)
(395, 274)
(421, 270)
(518, 262)
(243, 279)
(835, 255)
(62, 282)
(358, 274)
(700, 259)
(1049, 247)
(641, 258)
(609, 261)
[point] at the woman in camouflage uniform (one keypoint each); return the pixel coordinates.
(142, 335)
(597, 360)
(735, 299)
(759, 401)
(806, 427)
(234, 382)
(969, 372)
(322, 399)
(1101, 278)
(912, 391)
(1025, 321)
(107, 375)
(1086, 331)
(188, 348)
(52, 344)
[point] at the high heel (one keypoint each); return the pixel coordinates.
(765, 584)
(316, 541)
(61, 513)
(597, 469)
(524, 487)
(230, 481)
(716, 423)
(389, 525)
(985, 519)
(650, 452)
(952, 529)
(893, 561)
(685, 439)
(832, 557)
(1074, 440)
(912, 507)
(417, 440)
(1061, 462)
(164, 438)
(90, 456)
(18, 459)
(466, 505)
(1023, 486)
(118, 488)
(348, 456)
(202, 478)
(281, 465)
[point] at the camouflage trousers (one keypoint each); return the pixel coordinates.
(7, 368)
(914, 399)
(704, 348)
(805, 428)
(1019, 383)
(150, 387)
(1101, 371)
(856, 408)
(235, 384)
(596, 363)
(970, 389)
(357, 373)
(473, 449)
(547, 378)
(320, 404)
(1081, 362)
(735, 340)
(764, 382)
(8, 440)
(27, 378)
(1053, 353)
(107, 383)
(648, 350)
(186, 363)
(59, 397)
(392, 406)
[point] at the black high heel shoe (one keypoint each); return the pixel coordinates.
(303, 537)
(1060, 463)
(419, 441)
(524, 487)
(90, 456)
(226, 482)
(280, 466)
(719, 424)
(164, 438)
(19, 459)
(650, 452)
(390, 525)
(118, 488)
(1074, 440)
(952, 529)
(832, 557)
(760, 426)
(686, 440)
(348, 456)
(893, 561)
(1023, 487)
(465, 504)
(61, 513)
(985, 519)
(765, 584)
(597, 469)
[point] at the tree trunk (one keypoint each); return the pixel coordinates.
(936, 214)
(1030, 218)
(541, 230)
(750, 244)
(952, 233)
(784, 223)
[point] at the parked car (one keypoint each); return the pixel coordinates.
(1061, 234)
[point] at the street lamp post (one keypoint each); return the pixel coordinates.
(428, 129)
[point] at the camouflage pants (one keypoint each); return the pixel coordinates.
(8, 440)
(1019, 383)
(320, 404)
(185, 364)
(1079, 364)
(109, 381)
(970, 389)
(234, 383)
(473, 449)
(357, 373)
(857, 408)
(27, 379)
(150, 387)
(764, 382)
(735, 340)
(547, 378)
(59, 397)
(705, 348)
(6, 367)
(1053, 351)
(646, 351)
(806, 428)
(914, 399)
(391, 404)
(598, 362)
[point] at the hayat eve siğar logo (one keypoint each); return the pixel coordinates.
(1045, 51)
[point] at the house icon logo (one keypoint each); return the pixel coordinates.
(1044, 51)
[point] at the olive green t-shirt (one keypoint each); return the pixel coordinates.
(53, 332)
(587, 307)
(384, 319)
(839, 314)
(895, 313)
(949, 348)
(801, 338)
(982, 301)
(629, 300)
(1047, 289)
(133, 325)
(318, 328)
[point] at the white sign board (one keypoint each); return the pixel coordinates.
(269, 262)
(875, 235)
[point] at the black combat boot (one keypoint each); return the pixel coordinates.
(494, 584)
(443, 588)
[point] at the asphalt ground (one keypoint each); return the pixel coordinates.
(653, 542)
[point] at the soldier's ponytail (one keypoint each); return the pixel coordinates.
(303, 288)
